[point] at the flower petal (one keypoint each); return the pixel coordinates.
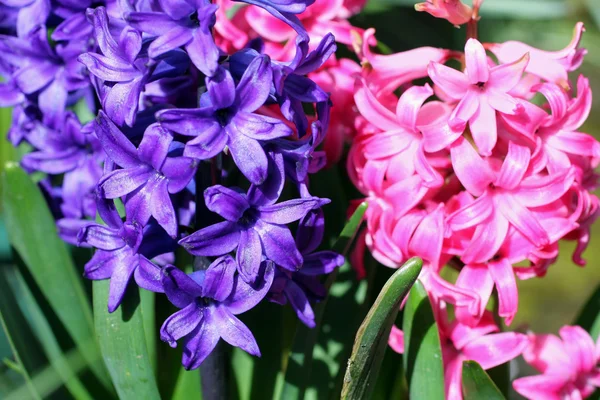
(181, 324)
(234, 332)
(200, 342)
(505, 77)
(154, 146)
(248, 155)
(514, 166)
(472, 171)
(114, 142)
(291, 210)
(255, 84)
(372, 110)
(504, 278)
(244, 296)
(219, 278)
(123, 181)
(226, 202)
(476, 62)
(279, 245)
(214, 240)
(180, 288)
(454, 83)
(249, 255)
(495, 349)
(484, 129)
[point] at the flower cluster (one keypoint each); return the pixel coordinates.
(483, 170)
(198, 126)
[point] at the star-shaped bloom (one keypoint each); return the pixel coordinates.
(254, 226)
(148, 173)
(209, 302)
(228, 119)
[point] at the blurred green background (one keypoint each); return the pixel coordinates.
(544, 304)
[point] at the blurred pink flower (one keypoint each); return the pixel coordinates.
(455, 11)
(569, 366)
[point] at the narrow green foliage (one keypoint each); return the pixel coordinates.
(372, 336)
(589, 318)
(476, 384)
(422, 351)
(123, 344)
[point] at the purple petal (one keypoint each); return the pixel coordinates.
(154, 146)
(209, 142)
(74, 26)
(104, 38)
(174, 38)
(101, 237)
(321, 262)
(304, 89)
(319, 56)
(179, 171)
(148, 276)
(249, 255)
(152, 23)
(255, 85)
(228, 203)
(177, 9)
(248, 155)
(108, 212)
(114, 143)
(219, 279)
(180, 289)
(279, 246)
(203, 52)
(123, 181)
(130, 43)
(34, 77)
(102, 263)
(52, 101)
(108, 69)
(188, 122)
(300, 303)
(270, 190)
(310, 231)
(121, 101)
(221, 88)
(181, 324)
(162, 208)
(120, 279)
(31, 16)
(245, 296)
(214, 240)
(138, 203)
(52, 163)
(291, 210)
(200, 343)
(260, 127)
(68, 229)
(234, 332)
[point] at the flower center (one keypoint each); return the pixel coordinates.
(194, 19)
(223, 116)
(249, 218)
(480, 85)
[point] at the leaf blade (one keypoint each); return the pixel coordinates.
(371, 338)
(476, 383)
(589, 317)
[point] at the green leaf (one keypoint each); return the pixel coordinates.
(300, 359)
(589, 318)
(32, 231)
(188, 386)
(422, 350)
(147, 302)
(372, 336)
(476, 384)
(44, 334)
(123, 344)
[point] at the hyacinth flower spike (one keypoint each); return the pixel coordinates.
(230, 120)
(209, 302)
(253, 226)
(284, 10)
(148, 175)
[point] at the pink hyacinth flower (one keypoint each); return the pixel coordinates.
(480, 92)
(569, 366)
(552, 66)
(455, 11)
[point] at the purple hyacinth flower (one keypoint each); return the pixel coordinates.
(51, 73)
(285, 10)
(293, 87)
(122, 73)
(303, 286)
(148, 174)
(229, 120)
(121, 250)
(255, 227)
(209, 302)
(185, 23)
(32, 13)
(75, 24)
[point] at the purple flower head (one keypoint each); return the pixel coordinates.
(31, 13)
(119, 69)
(148, 174)
(75, 24)
(303, 287)
(209, 302)
(185, 23)
(256, 228)
(285, 10)
(120, 249)
(228, 119)
(50, 73)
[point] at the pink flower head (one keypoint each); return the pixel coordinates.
(569, 366)
(552, 66)
(455, 11)
(480, 92)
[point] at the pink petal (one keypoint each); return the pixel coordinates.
(477, 278)
(580, 348)
(372, 109)
(495, 349)
(576, 143)
(504, 278)
(445, 291)
(406, 194)
(431, 177)
(579, 109)
(557, 99)
(514, 166)
(410, 103)
(429, 236)
(471, 170)
(541, 387)
(406, 226)
(537, 191)
(523, 220)
(476, 60)
(487, 240)
(504, 103)
(454, 83)
(471, 214)
(464, 111)
(461, 334)
(547, 353)
(389, 143)
(396, 340)
(433, 124)
(484, 128)
(505, 77)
